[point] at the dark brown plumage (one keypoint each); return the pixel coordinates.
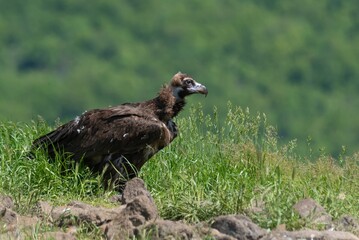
(119, 140)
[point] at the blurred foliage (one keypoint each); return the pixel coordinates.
(295, 60)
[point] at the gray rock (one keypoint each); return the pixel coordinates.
(57, 236)
(211, 233)
(142, 206)
(13, 224)
(43, 210)
(347, 223)
(312, 212)
(311, 234)
(238, 226)
(7, 216)
(78, 212)
(116, 223)
(136, 212)
(165, 229)
(133, 188)
(6, 201)
(138, 217)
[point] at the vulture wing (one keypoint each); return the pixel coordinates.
(120, 130)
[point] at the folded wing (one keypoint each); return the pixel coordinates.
(99, 133)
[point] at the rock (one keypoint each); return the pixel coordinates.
(211, 233)
(8, 236)
(136, 212)
(27, 221)
(116, 199)
(138, 209)
(56, 236)
(7, 216)
(347, 223)
(220, 236)
(79, 212)
(238, 226)
(312, 212)
(11, 223)
(133, 188)
(116, 223)
(311, 234)
(138, 218)
(142, 206)
(205, 231)
(166, 229)
(43, 210)
(118, 229)
(6, 201)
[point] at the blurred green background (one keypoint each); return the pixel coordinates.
(297, 61)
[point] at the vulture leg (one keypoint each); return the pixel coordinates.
(171, 125)
(116, 170)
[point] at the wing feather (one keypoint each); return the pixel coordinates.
(101, 132)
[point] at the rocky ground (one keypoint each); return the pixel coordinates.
(137, 216)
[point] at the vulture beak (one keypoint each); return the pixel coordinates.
(198, 88)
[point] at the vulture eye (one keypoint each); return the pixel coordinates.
(188, 81)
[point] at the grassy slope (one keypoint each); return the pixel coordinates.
(209, 170)
(295, 59)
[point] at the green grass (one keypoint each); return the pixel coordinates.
(211, 169)
(29, 180)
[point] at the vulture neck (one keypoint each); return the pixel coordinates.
(166, 106)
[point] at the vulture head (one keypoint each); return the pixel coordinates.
(183, 85)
